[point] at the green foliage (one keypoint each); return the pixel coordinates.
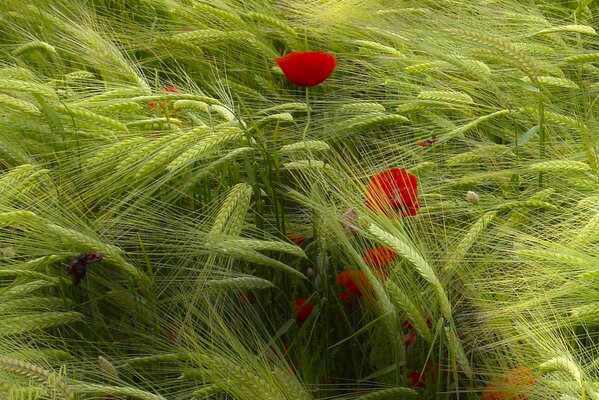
(163, 136)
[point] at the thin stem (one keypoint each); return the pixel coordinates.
(308, 116)
(541, 135)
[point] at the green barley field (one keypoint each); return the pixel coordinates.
(299, 199)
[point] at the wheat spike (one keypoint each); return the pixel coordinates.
(373, 120)
(472, 124)
(362, 107)
(456, 348)
(404, 304)
(588, 313)
(584, 29)
(309, 145)
(81, 113)
(36, 321)
(469, 238)
(206, 146)
(34, 45)
(265, 19)
(239, 283)
(560, 166)
(37, 374)
(18, 86)
(562, 364)
(447, 96)
(423, 268)
(232, 211)
(478, 154)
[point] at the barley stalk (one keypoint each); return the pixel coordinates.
(27, 274)
(403, 303)
(556, 257)
(472, 124)
(422, 167)
(141, 150)
(38, 374)
(264, 245)
(34, 45)
(238, 379)
(190, 49)
(374, 120)
(20, 105)
(25, 288)
(37, 321)
(424, 67)
(380, 48)
(478, 154)
(16, 73)
(447, 96)
(469, 238)
(32, 303)
(265, 19)
(423, 105)
(14, 85)
(519, 58)
(169, 151)
(562, 364)
(583, 58)
(456, 348)
(109, 252)
(306, 165)
(17, 218)
(114, 150)
(81, 113)
(231, 214)
(276, 118)
(175, 96)
(239, 283)
(252, 256)
(362, 107)
(526, 204)
(413, 257)
(560, 166)
(218, 13)
(200, 174)
(584, 29)
(308, 145)
(588, 313)
(555, 81)
(289, 107)
(80, 75)
(191, 105)
(206, 146)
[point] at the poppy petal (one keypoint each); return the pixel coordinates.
(307, 68)
(392, 191)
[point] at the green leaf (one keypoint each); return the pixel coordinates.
(527, 135)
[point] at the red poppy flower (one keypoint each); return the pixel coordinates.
(417, 379)
(172, 89)
(392, 191)
(345, 298)
(353, 281)
(245, 298)
(356, 282)
(296, 238)
(409, 339)
(379, 256)
(307, 68)
(303, 309)
(514, 385)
